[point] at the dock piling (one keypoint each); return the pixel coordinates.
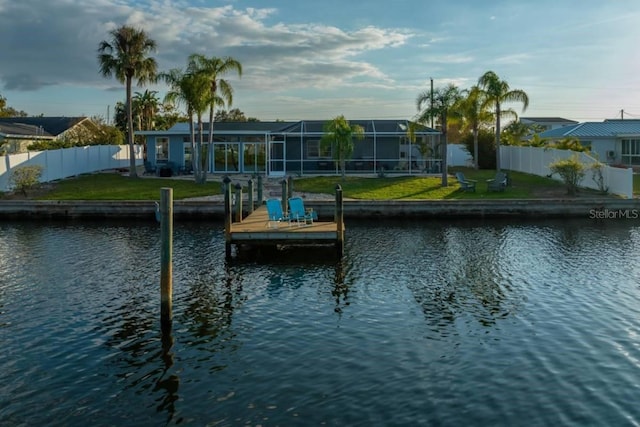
(238, 203)
(251, 206)
(227, 215)
(260, 189)
(339, 218)
(285, 206)
(166, 257)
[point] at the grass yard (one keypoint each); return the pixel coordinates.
(110, 186)
(522, 186)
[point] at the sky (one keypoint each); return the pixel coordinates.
(303, 59)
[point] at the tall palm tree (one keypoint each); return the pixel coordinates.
(472, 113)
(496, 93)
(438, 104)
(192, 90)
(339, 135)
(220, 90)
(126, 56)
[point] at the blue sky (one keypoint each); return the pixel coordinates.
(314, 60)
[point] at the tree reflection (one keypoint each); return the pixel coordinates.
(463, 279)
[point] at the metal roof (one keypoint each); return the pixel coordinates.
(304, 126)
(606, 129)
(548, 120)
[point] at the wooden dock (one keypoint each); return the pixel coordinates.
(255, 230)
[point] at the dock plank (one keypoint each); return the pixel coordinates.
(255, 227)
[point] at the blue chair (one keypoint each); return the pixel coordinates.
(298, 213)
(274, 211)
(466, 184)
(499, 183)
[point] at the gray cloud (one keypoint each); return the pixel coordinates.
(55, 43)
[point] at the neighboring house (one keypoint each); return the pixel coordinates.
(278, 148)
(17, 133)
(612, 141)
(547, 123)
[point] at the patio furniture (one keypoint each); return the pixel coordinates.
(499, 183)
(298, 213)
(466, 184)
(275, 214)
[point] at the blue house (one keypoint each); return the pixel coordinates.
(612, 141)
(279, 148)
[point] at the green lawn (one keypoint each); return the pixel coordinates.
(109, 186)
(426, 187)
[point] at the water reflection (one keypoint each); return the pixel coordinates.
(255, 340)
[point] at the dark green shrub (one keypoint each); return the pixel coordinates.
(486, 148)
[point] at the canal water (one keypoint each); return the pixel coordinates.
(422, 323)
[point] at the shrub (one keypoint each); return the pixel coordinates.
(571, 170)
(26, 177)
(486, 148)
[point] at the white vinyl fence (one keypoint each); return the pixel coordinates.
(536, 160)
(66, 162)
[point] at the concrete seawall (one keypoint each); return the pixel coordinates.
(197, 209)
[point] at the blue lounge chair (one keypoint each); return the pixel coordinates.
(298, 213)
(274, 210)
(466, 184)
(499, 183)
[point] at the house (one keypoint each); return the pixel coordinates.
(614, 141)
(17, 133)
(279, 148)
(547, 123)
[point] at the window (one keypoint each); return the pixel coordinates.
(315, 151)
(631, 151)
(162, 148)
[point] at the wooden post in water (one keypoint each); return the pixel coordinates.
(238, 203)
(339, 217)
(260, 198)
(251, 206)
(227, 215)
(166, 257)
(284, 196)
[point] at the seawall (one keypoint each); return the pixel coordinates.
(198, 209)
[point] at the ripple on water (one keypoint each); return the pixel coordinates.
(438, 323)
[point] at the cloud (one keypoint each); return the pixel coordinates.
(55, 43)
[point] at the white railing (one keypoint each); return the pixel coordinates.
(536, 160)
(66, 162)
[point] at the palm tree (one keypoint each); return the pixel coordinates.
(472, 112)
(338, 135)
(438, 104)
(496, 93)
(125, 56)
(147, 104)
(220, 91)
(190, 89)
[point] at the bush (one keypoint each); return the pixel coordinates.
(26, 177)
(486, 148)
(571, 171)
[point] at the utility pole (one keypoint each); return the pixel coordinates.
(621, 114)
